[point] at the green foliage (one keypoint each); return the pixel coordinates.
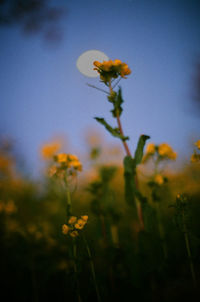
(130, 165)
(114, 131)
(181, 215)
(140, 147)
(103, 196)
(116, 100)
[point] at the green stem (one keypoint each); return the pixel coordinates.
(128, 153)
(92, 269)
(161, 231)
(189, 251)
(76, 270)
(69, 202)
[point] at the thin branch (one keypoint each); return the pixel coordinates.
(98, 88)
(117, 83)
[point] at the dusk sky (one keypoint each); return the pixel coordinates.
(43, 94)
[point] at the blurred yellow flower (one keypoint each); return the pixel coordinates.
(165, 150)
(159, 179)
(72, 220)
(85, 217)
(150, 148)
(49, 150)
(198, 144)
(62, 158)
(74, 234)
(80, 224)
(65, 229)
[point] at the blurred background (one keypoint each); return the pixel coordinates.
(43, 94)
(141, 242)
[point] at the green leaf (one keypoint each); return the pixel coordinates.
(117, 102)
(114, 131)
(140, 148)
(129, 178)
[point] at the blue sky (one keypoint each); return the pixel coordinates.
(43, 94)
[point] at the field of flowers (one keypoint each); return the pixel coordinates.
(125, 228)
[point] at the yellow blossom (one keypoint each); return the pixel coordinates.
(198, 144)
(85, 217)
(80, 224)
(150, 149)
(76, 165)
(166, 150)
(49, 150)
(72, 220)
(62, 158)
(65, 229)
(74, 234)
(159, 179)
(111, 69)
(72, 157)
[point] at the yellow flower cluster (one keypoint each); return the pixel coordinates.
(74, 225)
(49, 150)
(111, 69)
(195, 158)
(65, 163)
(164, 151)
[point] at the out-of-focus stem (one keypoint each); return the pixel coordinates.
(92, 270)
(76, 271)
(189, 251)
(69, 203)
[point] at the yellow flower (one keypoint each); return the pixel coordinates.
(166, 150)
(159, 179)
(111, 69)
(125, 70)
(76, 165)
(65, 229)
(49, 150)
(80, 224)
(85, 217)
(97, 64)
(74, 234)
(72, 157)
(72, 220)
(198, 144)
(117, 62)
(150, 149)
(62, 158)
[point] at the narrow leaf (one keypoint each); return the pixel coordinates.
(140, 148)
(114, 131)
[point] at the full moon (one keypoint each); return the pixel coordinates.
(85, 62)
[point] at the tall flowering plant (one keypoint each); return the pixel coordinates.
(111, 72)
